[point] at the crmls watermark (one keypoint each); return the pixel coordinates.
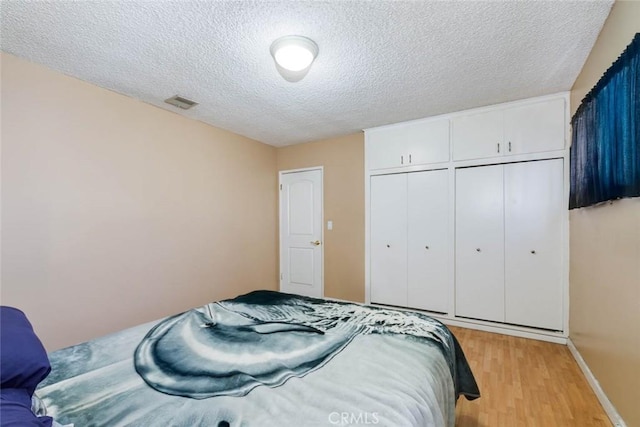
(353, 418)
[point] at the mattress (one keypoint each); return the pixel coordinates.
(265, 359)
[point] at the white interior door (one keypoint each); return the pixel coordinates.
(533, 243)
(301, 254)
(389, 239)
(480, 243)
(428, 245)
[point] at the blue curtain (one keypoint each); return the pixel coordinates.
(605, 150)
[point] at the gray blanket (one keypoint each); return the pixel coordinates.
(265, 359)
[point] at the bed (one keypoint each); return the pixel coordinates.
(265, 359)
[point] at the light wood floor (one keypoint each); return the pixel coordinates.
(525, 383)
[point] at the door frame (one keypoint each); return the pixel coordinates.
(280, 266)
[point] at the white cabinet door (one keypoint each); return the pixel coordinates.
(478, 136)
(386, 148)
(533, 243)
(480, 243)
(409, 144)
(428, 240)
(530, 128)
(428, 142)
(534, 128)
(389, 239)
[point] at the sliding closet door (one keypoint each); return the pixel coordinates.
(480, 243)
(533, 243)
(428, 240)
(389, 239)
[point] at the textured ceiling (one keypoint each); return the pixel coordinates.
(380, 61)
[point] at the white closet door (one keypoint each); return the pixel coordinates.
(428, 244)
(533, 243)
(480, 243)
(389, 239)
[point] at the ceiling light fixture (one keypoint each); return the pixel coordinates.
(293, 56)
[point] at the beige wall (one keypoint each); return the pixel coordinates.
(343, 161)
(605, 255)
(115, 212)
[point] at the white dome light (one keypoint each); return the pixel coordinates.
(293, 56)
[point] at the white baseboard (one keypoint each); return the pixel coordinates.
(503, 329)
(481, 325)
(613, 415)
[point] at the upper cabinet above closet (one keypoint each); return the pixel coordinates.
(529, 128)
(408, 144)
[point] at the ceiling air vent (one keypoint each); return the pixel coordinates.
(180, 102)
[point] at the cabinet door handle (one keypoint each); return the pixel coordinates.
(533, 252)
(426, 247)
(409, 158)
(388, 246)
(402, 160)
(478, 250)
(498, 147)
(509, 146)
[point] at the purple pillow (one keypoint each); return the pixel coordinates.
(23, 364)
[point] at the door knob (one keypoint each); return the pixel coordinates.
(316, 243)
